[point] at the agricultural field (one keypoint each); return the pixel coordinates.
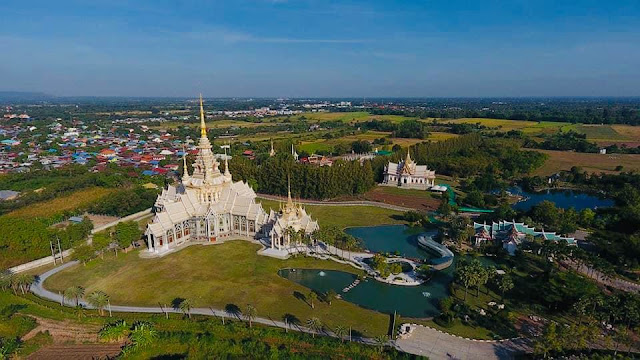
(601, 134)
(595, 163)
(606, 135)
(55, 206)
(531, 128)
(328, 144)
(238, 276)
(349, 117)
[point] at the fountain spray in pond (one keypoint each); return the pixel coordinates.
(426, 294)
(322, 273)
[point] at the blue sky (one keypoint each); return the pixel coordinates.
(310, 48)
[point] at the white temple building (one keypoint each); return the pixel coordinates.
(206, 207)
(290, 218)
(408, 174)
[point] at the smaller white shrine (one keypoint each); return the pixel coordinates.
(289, 226)
(408, 174)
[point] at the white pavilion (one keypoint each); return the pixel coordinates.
(290, 218)
(409, 174)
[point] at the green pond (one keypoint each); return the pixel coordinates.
(393, 238)
(410, 301)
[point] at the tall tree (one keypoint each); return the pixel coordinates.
(250, 314)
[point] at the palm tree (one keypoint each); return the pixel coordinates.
(98, 299)
(74, 292)
(24, 282)
(142, 335)
(312, 296)
(115, 332)
(331, 294)
(6, 278)
(314, 325)
(250, 314)
(381, 341)
(340, 332)
(350, 244)
(185, 307)
(505, 283)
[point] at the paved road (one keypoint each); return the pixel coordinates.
(438, 345)
(614, 282)
(424, 341)
(339, 203)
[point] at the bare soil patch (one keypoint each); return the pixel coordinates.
(80, 351)
(65, 331)
(419, 203)
(101, 220)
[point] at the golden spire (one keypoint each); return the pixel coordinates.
(203, 126)
(408, 159)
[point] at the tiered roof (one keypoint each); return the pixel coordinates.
(502, 229)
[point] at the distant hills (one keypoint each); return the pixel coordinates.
(24, 96)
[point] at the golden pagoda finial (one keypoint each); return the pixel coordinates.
(408, 160)
(203, 126)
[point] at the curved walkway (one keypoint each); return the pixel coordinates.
(423, 341)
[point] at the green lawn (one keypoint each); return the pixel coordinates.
(345, 216)
(228, 273)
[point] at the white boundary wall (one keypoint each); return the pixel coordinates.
(49, 259)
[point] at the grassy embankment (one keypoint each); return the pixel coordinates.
(197, 337)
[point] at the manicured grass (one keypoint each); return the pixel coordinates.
(217, 275)
(595, 163)
(345, 216)
(72, 201)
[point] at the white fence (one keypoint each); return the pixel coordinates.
(37, 263)
(49, 259)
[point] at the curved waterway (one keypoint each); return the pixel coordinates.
(562, 198)
(412, 301)
(392, 238)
